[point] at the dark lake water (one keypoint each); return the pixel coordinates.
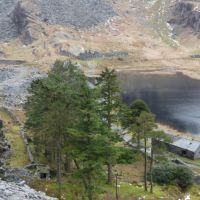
(175, 99)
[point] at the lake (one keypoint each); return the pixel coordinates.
(175, 99)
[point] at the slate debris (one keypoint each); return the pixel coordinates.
(77, 13)
(8, 30)
(14, 82)
(20, 191)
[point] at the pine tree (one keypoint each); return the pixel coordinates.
(109, 107)
(52, 109)
(90, 142)
(136, 108)
(146, 124)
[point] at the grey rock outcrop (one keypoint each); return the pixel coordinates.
(187, 15)
(20, 191)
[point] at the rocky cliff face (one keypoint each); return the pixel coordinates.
(187, 14)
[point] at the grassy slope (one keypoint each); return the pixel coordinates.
(130, 187)
(18, 156)
(73, 190)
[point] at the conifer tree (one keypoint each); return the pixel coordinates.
(146, 124)
(136, 108)
(90, 142)
(109, 108)
(52, 109)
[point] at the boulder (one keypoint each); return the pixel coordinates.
(76, 50)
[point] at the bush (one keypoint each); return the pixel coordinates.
(163, 174)
(183, 177)
(172, 174)
(126, 155)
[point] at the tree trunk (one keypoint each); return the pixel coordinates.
(145, 164)
(109, 165)
(138, 141)
(89, 192)
(151, 166)
(58, 155)
(116, 188)
(83, 178)
(68, 164)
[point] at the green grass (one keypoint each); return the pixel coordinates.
(128, 191)
(72, 189)
(18, 156)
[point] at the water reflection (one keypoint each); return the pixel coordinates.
(175, 99)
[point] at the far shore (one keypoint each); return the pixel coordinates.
(172, 131)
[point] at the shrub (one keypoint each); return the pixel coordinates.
(172, 174)
(126, 155)
(163, 174)
(183, 177)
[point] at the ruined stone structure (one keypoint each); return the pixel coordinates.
(183, 147)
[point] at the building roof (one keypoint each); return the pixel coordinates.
(191, 145)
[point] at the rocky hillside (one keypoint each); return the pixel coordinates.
(150, 35)
(19, 17)
(78, 13)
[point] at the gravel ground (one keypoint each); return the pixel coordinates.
(14, 82)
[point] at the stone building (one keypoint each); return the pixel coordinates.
(43, 172)
(183, 147)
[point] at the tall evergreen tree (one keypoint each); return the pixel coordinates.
(90, 142)
(52, 109)
(146, 124)
(110, 104)
(129, 119)
(63, 115)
